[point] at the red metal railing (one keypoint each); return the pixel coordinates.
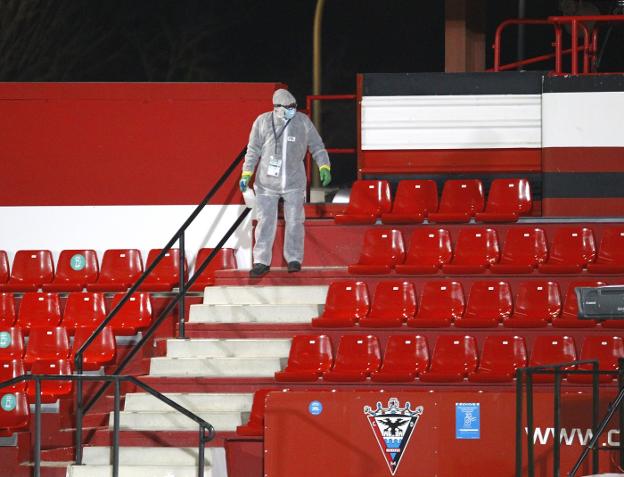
(589, 48)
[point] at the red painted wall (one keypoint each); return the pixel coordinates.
(123, 143)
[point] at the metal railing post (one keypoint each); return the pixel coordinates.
(595, 413)
(201, 452)
(37, 449)
(181, 303)
(79, 414)
(519, 423)
(557, 416)
(621, 409)
(530, 430)
(116, 428)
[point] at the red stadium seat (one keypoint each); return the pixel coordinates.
(51, 390)
(536, 303)
(571, 250)
(39, 309)
(394, 303)
(135, 315)
(45, 344)
(7, 309)
(120, 269)
(255, 424)
(382, 250)
(611, 252)
(31, 269)
(413, 202)
(166, 275)
(551, 350)
(607, 350)
(454, 358)
(569, 318)
(489, 303)
(75, 269)
(84, 309)
(100, 352)
(440, 304)
(475, 251)
(14, 413)
(346, 303)
(429, 249)
(405, 357)
(368, 200)
(507, 200)
(310, 356)
(461, 199)
(524, 249)
(500, 358)
(225, 259)
(4, 267)
(11, 343)
(9, 370)
(357, 357)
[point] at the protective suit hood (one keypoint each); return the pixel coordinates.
(282, 96)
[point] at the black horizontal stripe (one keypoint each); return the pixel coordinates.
(582, 184)
(578, 84)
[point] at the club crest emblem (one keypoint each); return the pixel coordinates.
(392, 427)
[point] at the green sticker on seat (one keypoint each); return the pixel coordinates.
(78, 262)
(5, 339)
(8, 402)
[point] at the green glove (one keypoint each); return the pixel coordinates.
(325, 174)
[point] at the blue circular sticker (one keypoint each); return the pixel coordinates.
(78, 262)
(315, 408)
(8, 402)
(5, 339)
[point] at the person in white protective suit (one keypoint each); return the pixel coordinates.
(277, 146)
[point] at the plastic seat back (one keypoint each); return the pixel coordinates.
(39, 309)
(9, 370)
(120, 267)
(454, 356)
(347, 301)
(381, 251)
(14, 412)
(309, 357)
(489, 303)
(45, 344)
(536, 303)
(413, 201)
(607, 350)
(255, 424)
(369, 198)
(84, 309)
(51, 390)
(500, 358)
(611, 251)
(4, 267)
(572, 246)
(476, 249)
(508, 199)
(406, 353)
(524, 249)
(429, 249)
(75, 269)
(225, 259)
(134, 315)
(441, 303)
(11, 343)
(358, 353)
(394, 302)
(100, 352)
(569, 316)
(7, 309)
(31, 269)
(462, 196)
(166, 275)
(552, 350)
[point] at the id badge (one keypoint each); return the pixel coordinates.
(275, 165)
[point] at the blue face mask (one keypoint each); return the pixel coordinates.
(289, 113)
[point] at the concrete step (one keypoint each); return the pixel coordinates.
(175, 421)
(136, 471)
(260, 367)
(266, 295)
(231, 348)
(151, 456)
(194, 402)
(254, 313)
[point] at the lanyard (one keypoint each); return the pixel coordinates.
(275, 135)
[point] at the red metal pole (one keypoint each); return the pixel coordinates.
(558, 39)
(574, 36)
(594, 49)
(308, 159)
(586, 50)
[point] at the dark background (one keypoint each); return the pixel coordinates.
(247, 40)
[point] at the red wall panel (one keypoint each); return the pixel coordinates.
(121, 143)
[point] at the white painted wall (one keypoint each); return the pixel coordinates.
(451, 122)
(586, 119)
(106, 227)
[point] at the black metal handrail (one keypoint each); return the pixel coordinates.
(206, 430)
(178, 299)
(525, 376)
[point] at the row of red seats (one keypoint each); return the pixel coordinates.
(534, 304)
(477, 250)
(454, 358)
(78, 269)
(81, 309)
(53, 343)
(418, 199)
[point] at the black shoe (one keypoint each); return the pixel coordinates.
(259, 270)
(294, 267)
